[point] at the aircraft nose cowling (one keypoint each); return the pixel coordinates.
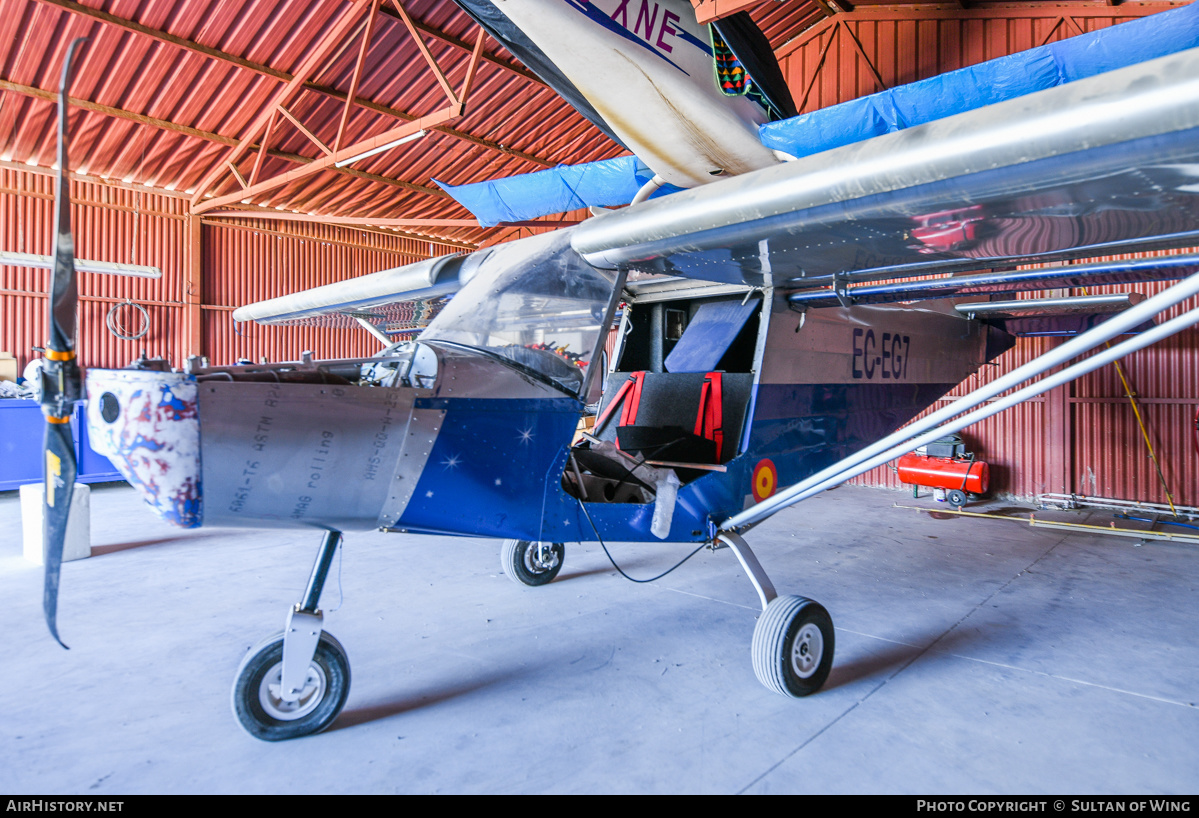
(147, 424)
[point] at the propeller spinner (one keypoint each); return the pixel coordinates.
(61, 383)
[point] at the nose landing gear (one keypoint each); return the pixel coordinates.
(258, 697)
(295, 683)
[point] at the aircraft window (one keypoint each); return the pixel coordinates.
(714, 328)
(712, 334)
(543, 310)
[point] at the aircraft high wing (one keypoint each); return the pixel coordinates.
(1045, 178)
(634, 178)
(761, 345)
(1100, 166)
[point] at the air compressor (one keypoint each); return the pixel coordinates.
(945, 465)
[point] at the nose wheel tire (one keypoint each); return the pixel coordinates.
(266, 715)
(793, 646)
(531, 563)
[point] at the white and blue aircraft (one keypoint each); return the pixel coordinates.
(777, 318)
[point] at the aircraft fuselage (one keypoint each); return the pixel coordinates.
(646, 68)
(476, 447)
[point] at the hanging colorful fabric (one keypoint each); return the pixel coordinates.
(731, 77)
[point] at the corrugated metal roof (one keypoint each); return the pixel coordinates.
(212, 66)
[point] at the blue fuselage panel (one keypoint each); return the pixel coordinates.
(495, 468)
(490, 465)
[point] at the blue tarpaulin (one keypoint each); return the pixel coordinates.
(607, 183)
(993, 81)
(614, 182)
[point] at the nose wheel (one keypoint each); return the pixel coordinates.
(259, 702)
(295, 683)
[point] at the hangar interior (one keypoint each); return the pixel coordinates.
(247, 150)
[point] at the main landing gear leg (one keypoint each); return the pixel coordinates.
(793, 641)
(295, 683)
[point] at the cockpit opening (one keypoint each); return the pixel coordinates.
(677, 400)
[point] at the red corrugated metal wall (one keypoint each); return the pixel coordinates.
(904, 45)
(1083, 437)
(110, 224)
(252, 261)
(241, 262)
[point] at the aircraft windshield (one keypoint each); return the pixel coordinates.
(534, 302)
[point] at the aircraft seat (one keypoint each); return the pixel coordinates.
(674, 415)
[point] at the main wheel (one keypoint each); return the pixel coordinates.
(265, 715)
(955, 497)
(793, 646)
(531, 563)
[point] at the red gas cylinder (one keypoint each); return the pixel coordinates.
(944, 473)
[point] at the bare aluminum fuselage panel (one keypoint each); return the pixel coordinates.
(303, 455)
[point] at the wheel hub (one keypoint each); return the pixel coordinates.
(311, 694)
(540, 558)
(807, 651)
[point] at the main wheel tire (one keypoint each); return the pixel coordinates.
(264, 715)
(793, 646)
(522, 563)
(955, 497)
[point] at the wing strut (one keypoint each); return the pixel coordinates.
(917, 434)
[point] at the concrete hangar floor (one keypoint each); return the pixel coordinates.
(973, 656)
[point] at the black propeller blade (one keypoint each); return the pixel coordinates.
(61, 383)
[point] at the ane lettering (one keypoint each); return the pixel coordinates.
(668, 18)
(623, 11)
(646, 24)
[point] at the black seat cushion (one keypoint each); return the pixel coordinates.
(671, 443)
